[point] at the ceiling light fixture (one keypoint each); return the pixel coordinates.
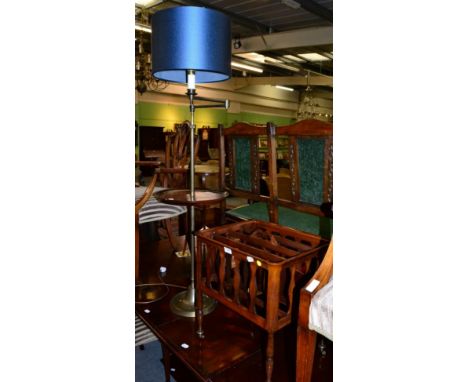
(272, 60)
(144, 80)
(246, 67)
(147, 3)
(284, 88)
(291, 4)
(252, 56)
(307, 107)
(291, 68)
(256, 57)
(293, 58)
(143, 28)
(313, 57)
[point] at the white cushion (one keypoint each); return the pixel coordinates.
(321, 311)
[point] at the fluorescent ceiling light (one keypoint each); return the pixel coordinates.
(256, 57)
(291, 68)
(291, 3)
(273, 60)
(313, 57)
(246, 67)
(293, 58)
(252, 56)
(144, 28)
(147, 3)
(284, 88)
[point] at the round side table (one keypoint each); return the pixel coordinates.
(183, 303)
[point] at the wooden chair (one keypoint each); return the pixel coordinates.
(315, 306)
(140, 202)
(310, 172)
(148, 209)
(177, 155)
(172, 173)
(239, 151)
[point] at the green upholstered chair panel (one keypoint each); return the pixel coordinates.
(288, 217)
(243, 166)
(254, 211)
(310, 168)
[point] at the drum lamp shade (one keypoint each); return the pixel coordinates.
(191, 38)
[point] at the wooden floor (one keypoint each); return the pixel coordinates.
(233, 348)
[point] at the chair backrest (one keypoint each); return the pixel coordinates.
(138, 205)
(178, 154)
(309, 156)
(240, 153)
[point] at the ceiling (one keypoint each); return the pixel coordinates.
(270, 35)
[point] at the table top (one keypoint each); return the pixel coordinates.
(182, 197)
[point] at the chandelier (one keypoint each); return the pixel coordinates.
(144, 79)
(307, 107)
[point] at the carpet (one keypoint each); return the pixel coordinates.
(148, 365)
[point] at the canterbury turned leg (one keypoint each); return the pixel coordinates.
(269, 354)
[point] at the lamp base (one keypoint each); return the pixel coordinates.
(183, 253)
(146, 293)
(183, 303)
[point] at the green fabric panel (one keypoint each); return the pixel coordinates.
(310, 167)
(255, 211)
(288, 217)
(243, 167)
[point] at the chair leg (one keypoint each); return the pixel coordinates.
(137, 252)
(306, 340)
(170, 233)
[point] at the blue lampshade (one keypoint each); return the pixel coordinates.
(191, 38)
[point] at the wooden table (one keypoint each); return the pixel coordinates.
(183, 198)
(207, 357)
(203, 199)
(184, 303)
(233, 348)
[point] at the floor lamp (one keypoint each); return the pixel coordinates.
(191, 45)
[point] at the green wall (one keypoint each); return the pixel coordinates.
(156, 114)
(165, 115)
